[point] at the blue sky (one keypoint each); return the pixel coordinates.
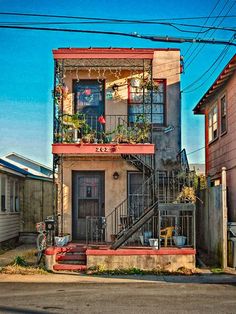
(26, 79)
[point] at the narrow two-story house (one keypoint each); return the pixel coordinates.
(117, 120)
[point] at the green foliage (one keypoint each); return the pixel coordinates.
(101, 270)
(20, 261)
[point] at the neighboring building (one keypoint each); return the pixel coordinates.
(26, 197)
(218, 106)
(117, 121)
(33, 167)
(198, 168)
(11, 181)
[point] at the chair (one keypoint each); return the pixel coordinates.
(166, 234)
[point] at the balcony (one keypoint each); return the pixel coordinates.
(112, 134)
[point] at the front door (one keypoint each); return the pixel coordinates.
(88, 200)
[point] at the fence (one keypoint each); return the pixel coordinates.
(209, 223)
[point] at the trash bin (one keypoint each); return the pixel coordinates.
(232, 244)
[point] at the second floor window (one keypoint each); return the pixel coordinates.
(213, 124)
(223, 114)
(147, 102)
(89, 97)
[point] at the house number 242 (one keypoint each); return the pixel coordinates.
(102, 149)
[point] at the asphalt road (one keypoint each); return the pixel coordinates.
(122, 298)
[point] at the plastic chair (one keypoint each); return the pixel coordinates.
(166, 234)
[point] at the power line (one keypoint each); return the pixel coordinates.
(201, 48)
(202, 26)
(108, 19)
(194, 151)
(207, 28)
(134, 35)
(220, 57)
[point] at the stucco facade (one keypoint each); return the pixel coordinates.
(79, 65)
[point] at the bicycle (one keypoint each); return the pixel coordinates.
(46, 235)
(41, 241)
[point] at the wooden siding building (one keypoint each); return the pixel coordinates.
(218, 106)
(25, 200)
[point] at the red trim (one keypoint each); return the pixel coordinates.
(127, 252)
(230, 67)
(206, 144)
(106, 53)
(71, 257)
(69, 267)
(101, 149)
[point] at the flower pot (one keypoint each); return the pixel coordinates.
(61, 241)
(153, 243)
(179, 240)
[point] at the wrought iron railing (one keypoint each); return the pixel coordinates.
(133, 128)
(95, 229)
(162, 187)
(173, 227)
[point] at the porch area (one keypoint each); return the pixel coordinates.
(81, 257)
(166, 242)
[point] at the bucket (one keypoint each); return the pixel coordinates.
(153, 243)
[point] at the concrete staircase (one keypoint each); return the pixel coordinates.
(72, 258)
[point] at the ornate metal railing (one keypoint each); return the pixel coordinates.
(133, 128)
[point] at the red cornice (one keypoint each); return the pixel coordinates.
(106, 53)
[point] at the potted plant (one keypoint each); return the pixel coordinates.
(187, 195)
(179, 240)
(142, 127)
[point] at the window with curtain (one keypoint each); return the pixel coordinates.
(151, 103)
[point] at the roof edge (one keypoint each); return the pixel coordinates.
(198, 109)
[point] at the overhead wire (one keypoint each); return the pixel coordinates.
(134, 35)
(186, 53)
(219, 58)
(213, 31)
(175, 25)
(108, 19)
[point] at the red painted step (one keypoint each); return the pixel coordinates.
(76, 249)
(71, 257)
(69, 267)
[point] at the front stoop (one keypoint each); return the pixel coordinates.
(80, 258)
(69, 258)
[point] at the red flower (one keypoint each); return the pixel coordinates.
(87, 91)
(101, 119)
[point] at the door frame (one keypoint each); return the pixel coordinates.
(102, 191)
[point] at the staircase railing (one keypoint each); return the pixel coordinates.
(127, 212)
(161, 188)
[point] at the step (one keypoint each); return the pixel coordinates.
(71, 267)
(71, 257)
(76, 249)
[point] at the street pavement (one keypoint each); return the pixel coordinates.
(64, 293)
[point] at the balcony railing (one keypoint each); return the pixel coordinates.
(131, 129)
